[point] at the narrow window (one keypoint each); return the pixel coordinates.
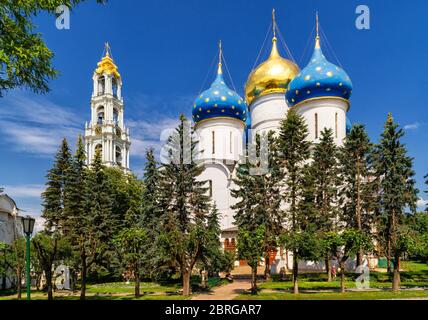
(213, 142)
(335, 124)
(316, 125)
(210, 188)
(230, 142)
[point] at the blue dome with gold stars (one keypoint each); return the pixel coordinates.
(219, 101)
(320, 78)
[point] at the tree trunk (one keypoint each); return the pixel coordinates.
(388, 254)
(396, 278)
(295, 274)
(83, 284)
(342, 276)
(328, 268)
(19, 280)
(358, 213)
(49, 283)
(267, 268)
(137, 284)
(254, 280)
(186, 282)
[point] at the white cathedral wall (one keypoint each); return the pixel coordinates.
(228, 139)
(326, 110)
(220, 176)
(267, 112)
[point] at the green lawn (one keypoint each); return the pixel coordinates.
(336, 296)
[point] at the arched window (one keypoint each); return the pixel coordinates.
(99, 148)
(210, 188)
(101, 85)
(230, 142)
(100, 115)
(316, 125)
(213, 142)
(335, 124)
(114, 87)
(118, 156)
(115, 116)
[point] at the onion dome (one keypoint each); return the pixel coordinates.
(272, 76)
(219, 101)
(107, 64)
(319, 79)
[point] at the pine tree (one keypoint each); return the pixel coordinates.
(151, 177)
(96, 229)
(54, 195)
(357, 190)
(184, 202)
(294, 151)
(257, 192)
(394, 170)
(325, 170)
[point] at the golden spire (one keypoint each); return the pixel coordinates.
(220, 58)
(274, 52)
(107, 49)
(106, 64)
(317, 39)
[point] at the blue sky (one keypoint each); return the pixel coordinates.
(164, 50)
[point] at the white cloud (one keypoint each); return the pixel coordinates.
(27, 191)
(35, 125)
(412, 126)
(422, 204)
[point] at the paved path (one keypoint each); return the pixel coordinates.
(226, 292)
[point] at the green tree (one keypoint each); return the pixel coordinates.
(294, 151)
(132, 243)
(74, 207)
(55, 192)
(326, 178)
(258, 185)
(184, 201)
(151, 177)
(50, 250)
(7, 263)
(356, 190)
(213, 258)
(393, 169)
(25, 60)
(344, 244)
(251, 246)
(96, 229)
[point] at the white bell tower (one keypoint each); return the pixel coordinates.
(106, 130)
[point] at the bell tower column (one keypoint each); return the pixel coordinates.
(106, 130)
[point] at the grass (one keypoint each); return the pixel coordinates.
(378, 295)
(122, 291)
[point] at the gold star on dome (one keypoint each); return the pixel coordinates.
(223, 98)
(222, 110)
(308, 77)
(329, 74)
(207, 100)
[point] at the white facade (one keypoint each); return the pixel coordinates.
(106, 130)
(267, 112)
(325, 113)
(221, 143)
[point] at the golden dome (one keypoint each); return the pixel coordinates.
(273, 75)
(107, 64)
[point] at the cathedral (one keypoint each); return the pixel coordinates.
(225, 122)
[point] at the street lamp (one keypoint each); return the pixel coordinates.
(28, 226)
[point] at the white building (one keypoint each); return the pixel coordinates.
(107, 131)
(320, 93)
(10, 230)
